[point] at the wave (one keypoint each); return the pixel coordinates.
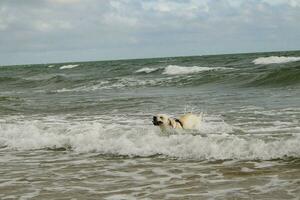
(274, 60)
(180, 70)
(8, 79)
(146, 70)
(147, 74)
(137, 139)
(278, 77)
(118, 84)
(68, 66)
(45, 82)
(274, 77)
(9, 98)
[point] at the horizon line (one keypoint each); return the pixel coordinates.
(140, 58)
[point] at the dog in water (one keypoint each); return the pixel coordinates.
(187, 121)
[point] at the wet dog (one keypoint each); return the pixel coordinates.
(187, 121)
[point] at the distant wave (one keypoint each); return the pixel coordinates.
(68, 66)
(146, 70)
(274, 60)
(8, 79)
(50, 66)
(178, 70)
(277, 77)
(121, 83)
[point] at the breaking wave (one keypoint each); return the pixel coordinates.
(130, 140)
(178, 70)
(68, 66)
(146, 70)
(274, 60)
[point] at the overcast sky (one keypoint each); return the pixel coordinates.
(45, 31)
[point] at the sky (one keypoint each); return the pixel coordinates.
(51, 31)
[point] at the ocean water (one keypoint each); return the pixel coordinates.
(84, 130)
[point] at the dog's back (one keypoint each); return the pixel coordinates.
(191, 121)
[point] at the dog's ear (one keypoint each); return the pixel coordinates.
(172, 123)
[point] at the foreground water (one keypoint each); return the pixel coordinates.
(83, 130)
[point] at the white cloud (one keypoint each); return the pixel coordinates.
(5, 18)
(116, 20)
(64, 1)
(235, 3)
(46, 26)
(292, 3)
(188, 9)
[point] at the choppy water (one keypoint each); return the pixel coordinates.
(84, 131)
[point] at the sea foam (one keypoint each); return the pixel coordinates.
(179, 70)
(68, 66)
(274, 60)
(146, 70)
(136, 138)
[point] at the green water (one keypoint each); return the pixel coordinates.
(84, 130)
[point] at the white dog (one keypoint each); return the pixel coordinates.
(187, 121)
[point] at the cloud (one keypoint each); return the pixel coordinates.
(143, 28)
(291, 3)
(179, 8)
(65, 1)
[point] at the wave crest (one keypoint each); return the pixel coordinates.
(179, 70)
(146, 70)
(274, 60)
(140, 140)
(68, 66)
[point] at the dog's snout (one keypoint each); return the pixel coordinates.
(155, 122)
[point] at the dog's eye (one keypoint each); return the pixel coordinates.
(161, 117)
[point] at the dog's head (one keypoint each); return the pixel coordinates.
(163, 120)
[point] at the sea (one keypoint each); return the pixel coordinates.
(83, 130)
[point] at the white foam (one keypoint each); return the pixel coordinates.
(274, 60)
(265, 164)
(246, 169)
(100, 85)
(179, 70)
(50, 66)
(68, 66)
(146, 70)
(122, 83)
(136, 138)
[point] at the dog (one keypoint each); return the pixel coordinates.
(188, 121)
